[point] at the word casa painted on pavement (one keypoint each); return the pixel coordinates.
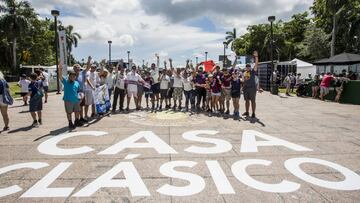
(133, 182)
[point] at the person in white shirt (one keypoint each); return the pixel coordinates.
(188, 89)
(119, 91)
(24, 85)
(164, 86)
(178, 85)
(132, 80)
(92, 81)
(45, 78)
(155, 87)
(110, 80)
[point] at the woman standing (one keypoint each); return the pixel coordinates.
(315, 86)
(5, 100)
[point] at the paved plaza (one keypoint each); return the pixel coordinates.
(192, 160)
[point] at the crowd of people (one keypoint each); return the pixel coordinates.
(185, 89)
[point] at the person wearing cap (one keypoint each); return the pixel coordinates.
(71, 98)
(250, 87)
(24, 85)
(120, 89)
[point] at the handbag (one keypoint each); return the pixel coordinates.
(7, 99)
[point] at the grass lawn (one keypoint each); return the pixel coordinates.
(14, 88)
(283, 90)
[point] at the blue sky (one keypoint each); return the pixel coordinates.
(180, 29)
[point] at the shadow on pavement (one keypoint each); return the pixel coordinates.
(54, 133)
(255, 120)
(23, 129)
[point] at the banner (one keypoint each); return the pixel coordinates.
(102, 100)
(63, 52)
(208, 65)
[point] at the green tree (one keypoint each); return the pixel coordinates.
(72, 39)
(316, 44)
(14, 22)
(231, 36)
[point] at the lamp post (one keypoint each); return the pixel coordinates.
(56, 13)
(197, 59)
(206, 53)
(271, 19)
(128, 52)
(225, 46)
(109, 42)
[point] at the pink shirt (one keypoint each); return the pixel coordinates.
(326, 81)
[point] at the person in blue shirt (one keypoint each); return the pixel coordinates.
(71, 98)
(36, 95)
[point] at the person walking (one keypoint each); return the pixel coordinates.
(36, 95)
(24, 88)
(5, 101)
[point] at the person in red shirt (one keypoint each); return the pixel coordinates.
(325, 85)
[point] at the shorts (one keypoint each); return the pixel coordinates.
(71, 107)
(132, 93)
(2, 104)
(324, 90)
(140, 90)
(235, 94)
(155, 88)
(208, 95)
(178, 91)
(148, 93)
(35, 105)
(23, 94)
(81, 96)
(170, 92)
(216, 94)
(226, 94)
(89, 97)
(249, 94)
(46, 88)
(164, 94)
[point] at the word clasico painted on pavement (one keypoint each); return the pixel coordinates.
(133, 182)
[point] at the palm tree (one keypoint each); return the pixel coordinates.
(14, 21)
(231, 36)
(72, 39)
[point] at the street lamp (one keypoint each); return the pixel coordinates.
(271, 19)
(56, 13)
(225, 47)
(206, 53)
(197, 59)
(128, 52)
(109, 51)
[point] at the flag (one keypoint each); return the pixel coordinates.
(208, 65)
(102, 100)
(63, 51)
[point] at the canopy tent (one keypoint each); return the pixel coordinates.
(304, 68)
(340, 59)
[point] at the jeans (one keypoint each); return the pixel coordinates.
(200, 94)
(189, 97)
(119, 92)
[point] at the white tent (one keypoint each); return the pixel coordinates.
(304, 68)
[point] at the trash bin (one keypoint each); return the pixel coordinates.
(274, 89)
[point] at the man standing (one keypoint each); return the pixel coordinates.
(250, 87)
(92, 80)
(325, 85)
(119, 88)
(155, 87)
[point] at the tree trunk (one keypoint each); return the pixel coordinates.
(14, 54)
(333, 36)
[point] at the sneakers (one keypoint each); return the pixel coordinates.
(246, 114)
(6, 129)
(253, 115)
(78, 123)
(227, 112)
(40, 121)
(34, 124)
(71, 125)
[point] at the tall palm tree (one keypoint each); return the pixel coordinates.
(231, 36)
(14, 21)
(72, 39)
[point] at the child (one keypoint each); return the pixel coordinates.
(24, 85)
(235, 93)
(71, 99)
(36, 96)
